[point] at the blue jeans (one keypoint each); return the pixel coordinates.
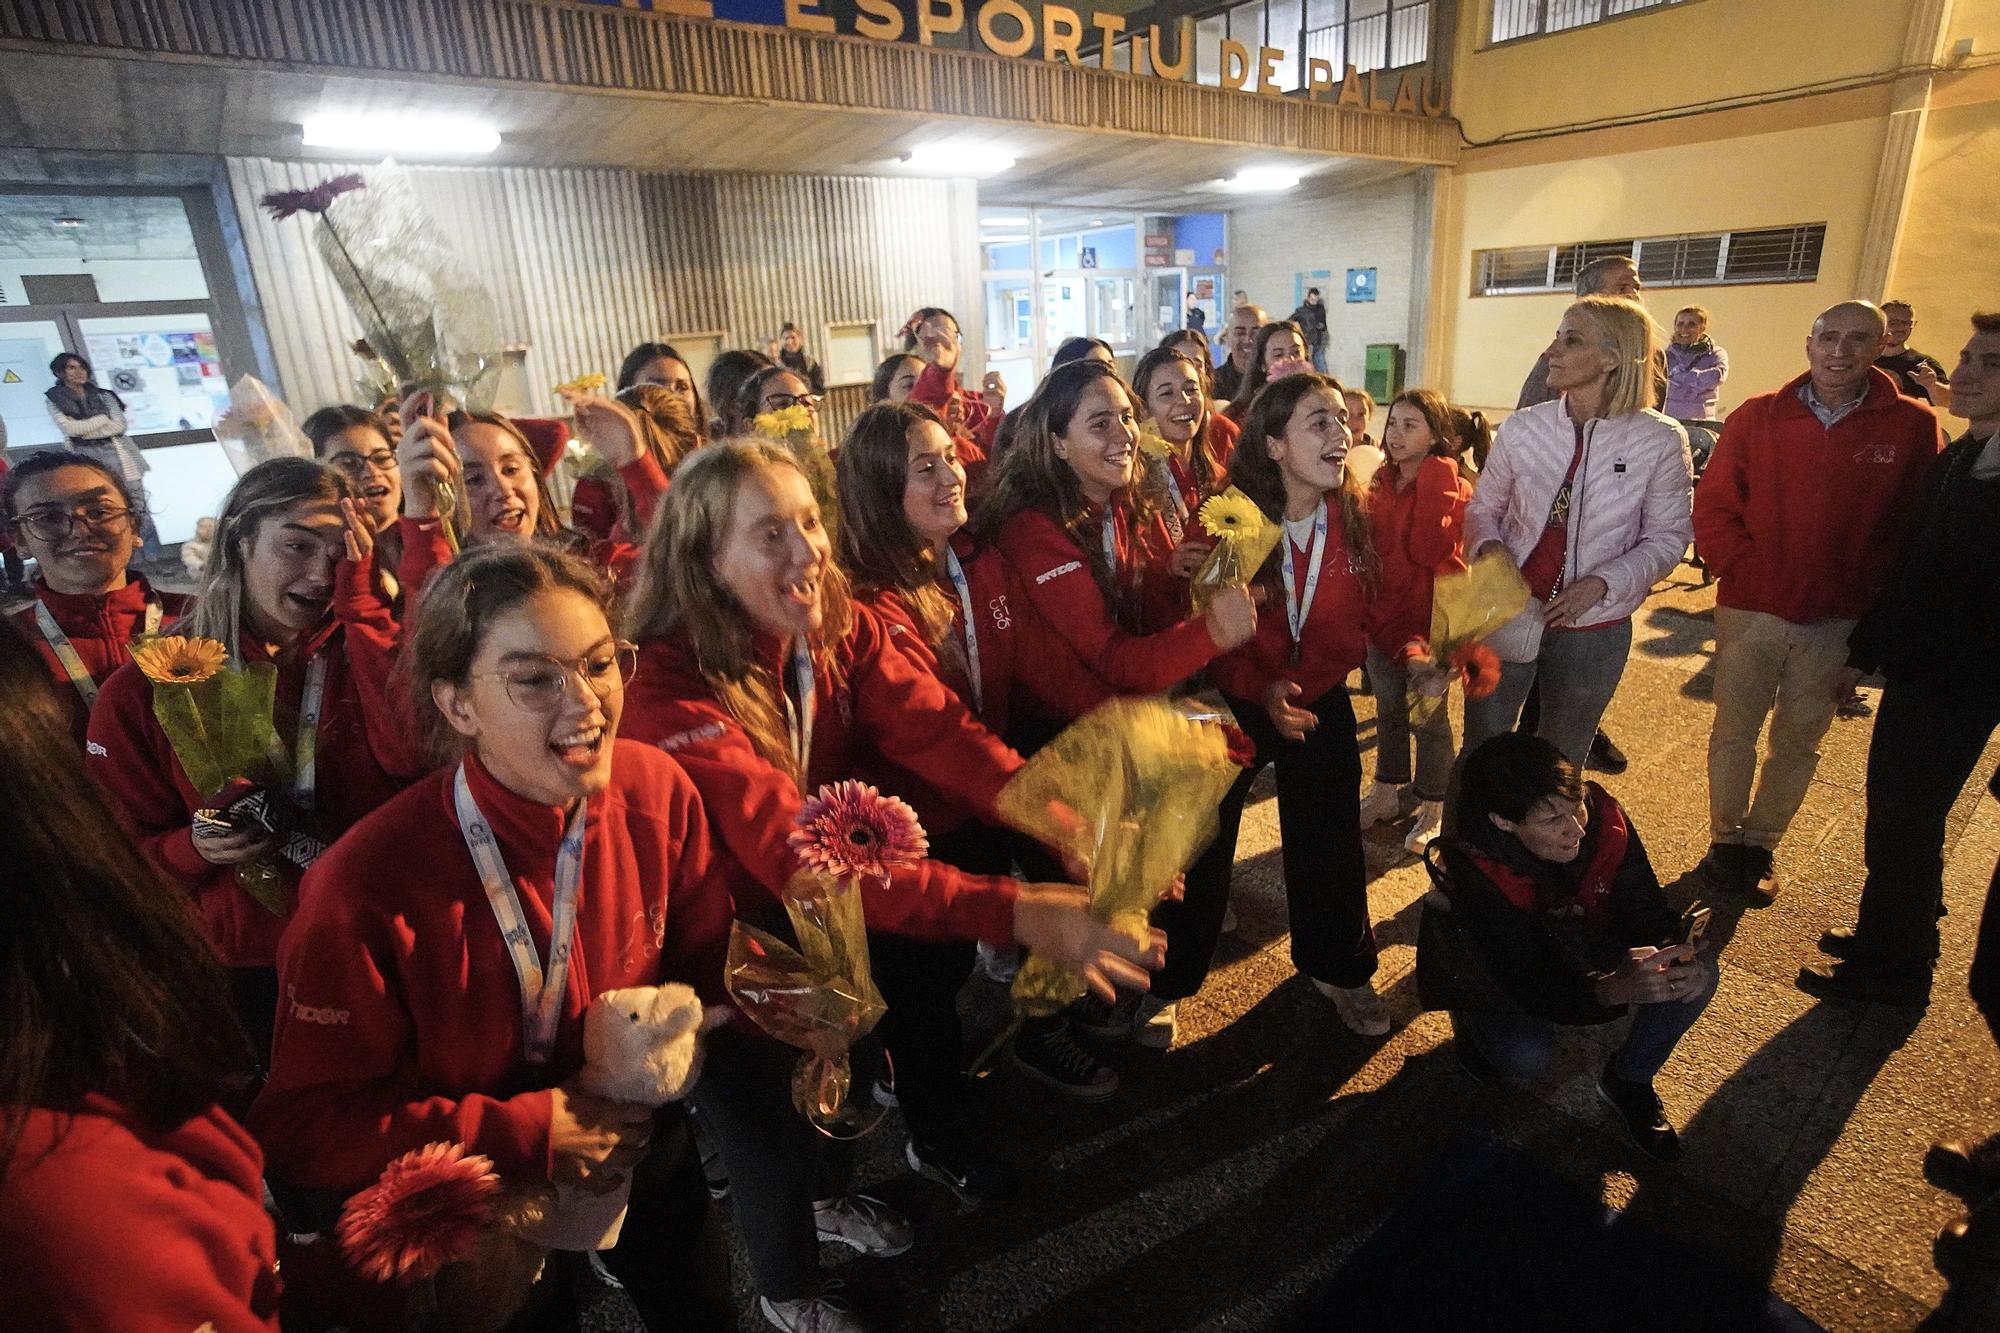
(1393, 731)
(1319, 359)
(1521, 1045)
(1579, 671)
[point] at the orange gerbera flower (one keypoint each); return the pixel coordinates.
(173, 660)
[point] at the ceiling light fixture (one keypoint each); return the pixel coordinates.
(947, 160)
(67, 223)
(1261, 179)
(405, 132)
(1003, 222)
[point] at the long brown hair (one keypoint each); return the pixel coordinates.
(1257, 376)
(264, 492)
(877, 544)
(1437, 414)
(1201, 453)
(1030, 475)
(106, 984)
(1253, 471)
(678, 594)
(547, 522)
(328, 424)
(644, 355)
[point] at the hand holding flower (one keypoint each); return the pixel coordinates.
(608, 426)
(429, 462)
(1054, 922)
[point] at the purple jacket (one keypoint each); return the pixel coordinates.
(1693, 375)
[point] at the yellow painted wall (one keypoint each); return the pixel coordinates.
(1948, 264)
(1773, 179)
(1703, 49)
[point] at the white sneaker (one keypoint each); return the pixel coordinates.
(1383, 801)
(1155, 1026)
(814, 1314)
(863, 1222)
(999, 964)
(1430, 820)
(1358, 1006)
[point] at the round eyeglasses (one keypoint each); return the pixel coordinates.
(540, 685)
(53, 525)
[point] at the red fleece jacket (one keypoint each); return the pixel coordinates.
(100, 628)
(1334, 640)
(399, 1021)
(1803, 522)
(107, 1222)
(867, 688)
(1419, 533)
(936, 388)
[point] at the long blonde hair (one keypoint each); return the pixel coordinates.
(679, 595)
(1625, 331)
(264, 492)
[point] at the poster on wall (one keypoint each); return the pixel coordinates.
(24, 375)
(1360, 285)
(165, 367)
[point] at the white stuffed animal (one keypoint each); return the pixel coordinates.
(642, 1044)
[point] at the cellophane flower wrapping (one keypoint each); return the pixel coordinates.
(258, 427)
(1145, 777)
(1465, 608)
(1244, 539)
(422, 307)
(820, 996)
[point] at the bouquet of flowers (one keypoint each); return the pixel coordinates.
(219, 720)
(1465, 608)
(797, 430)
(1136, 782)
(1244, 540)
(258, 427)
(821, 996)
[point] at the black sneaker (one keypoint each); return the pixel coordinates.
(961, 1166)
(1645, 1119)
(1722, 868)
(1967, 1167)
(1868, 983)
(1106, 1020)
(1605, 756)
(1760, 876)
(1044, 1050)
(1837, 942)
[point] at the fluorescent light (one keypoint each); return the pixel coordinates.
(947, 160)
(414, 132)
(1003, 222)
(1262, 178)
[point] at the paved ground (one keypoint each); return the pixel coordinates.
(1234, 1173)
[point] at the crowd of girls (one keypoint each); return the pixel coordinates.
(553, 759)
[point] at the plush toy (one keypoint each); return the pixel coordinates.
(642, 1044)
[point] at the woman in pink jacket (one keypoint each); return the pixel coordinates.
(1589, 495)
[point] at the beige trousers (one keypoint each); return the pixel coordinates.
(1766, 666)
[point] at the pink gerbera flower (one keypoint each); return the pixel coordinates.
(1289, 365)
(429, 1208)
(284, 203)
(851, 829)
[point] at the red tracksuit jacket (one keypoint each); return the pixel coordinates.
(1056, 577)
(1334, 640)
(100, 628)
(1419, 533)
(869, 689)
(107, 1222)
(936, 388)
(399, 1018)
(1802, 522)
(134, 762)
(1054, 685)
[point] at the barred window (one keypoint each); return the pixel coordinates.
(1707, 259)
(1532, 18)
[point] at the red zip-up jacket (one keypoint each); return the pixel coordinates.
(134, 762)
(1054, 686)
(108, 1222)
(1419, 533)
(937, 387)
(1802, 522)
(399, 1018)
(101, 628)
(869, 689)
(1055, 575)
(1334, 640)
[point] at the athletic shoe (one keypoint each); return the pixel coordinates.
(1430, 822)
(885, 1090)
(1384, 801)
(1105, 1020)
(1865, 982)
(1760, 876)
(1605, 756)
(961, 1166)
(1358, 1006)
(1155, 1025)
(1857, 706)
(1638, 1106)
(815, 1314)
(1045, 1051)
(863, 1222)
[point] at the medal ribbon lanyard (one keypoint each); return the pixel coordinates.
(958, 581)
(799, 712)
(66, 653)
(1299, 606)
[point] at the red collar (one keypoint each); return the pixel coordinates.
(528, 831)
(86, 609)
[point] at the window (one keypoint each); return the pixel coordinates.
(1531, 18)
(1769, 254)
(1368, 34)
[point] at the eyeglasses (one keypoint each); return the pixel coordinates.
(53, 525)
(358, 465)
(778, 402)
(541, 687)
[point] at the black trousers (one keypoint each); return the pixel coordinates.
(672, 1255)
(255, 992)
(1326, 874)
(1925, 744)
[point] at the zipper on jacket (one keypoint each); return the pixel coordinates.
(1576, 502)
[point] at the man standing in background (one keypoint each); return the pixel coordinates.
(1311, 319)
(1920, 377)
(1239, 339)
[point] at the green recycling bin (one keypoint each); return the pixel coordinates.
(1384, 374)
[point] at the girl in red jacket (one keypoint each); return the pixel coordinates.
(761, 676)
(1417, 507)
(601, 504)
(1090, 551)
(1287, 688)
(268, 595)
(362, 446)
(422, 999)
(73, 514)
(933, 334)
(1170, 391)
(129, 1199)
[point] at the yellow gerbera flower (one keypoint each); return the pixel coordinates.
(589, 383)
(1231, 514)
(1152, 444)
(784, 423)
(173, 660)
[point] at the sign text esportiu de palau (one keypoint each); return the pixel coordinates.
(1010, 28)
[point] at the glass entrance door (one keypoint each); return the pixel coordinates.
(27, 345)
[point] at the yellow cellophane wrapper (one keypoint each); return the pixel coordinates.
(819, 997)
(1146, 779)
(1237, 554)
(1466, 607)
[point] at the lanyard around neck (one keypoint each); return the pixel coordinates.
(958, 581)
(542, 989)
(66, 653)
(1298, 606)
(799, 712)
(305, 773)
